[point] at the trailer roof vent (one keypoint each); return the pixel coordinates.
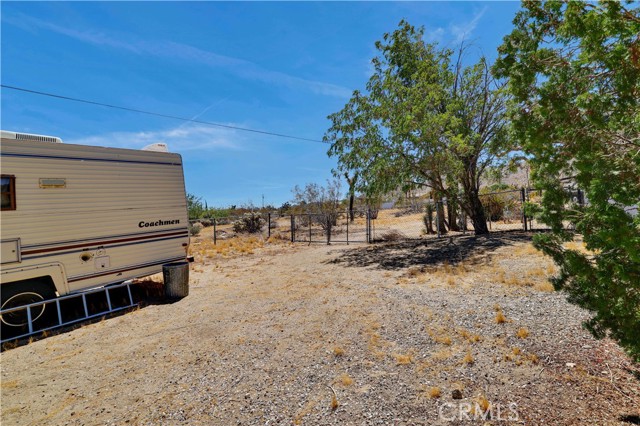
(30, 137)
(157, 147)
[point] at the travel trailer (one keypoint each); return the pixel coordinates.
(78, 217)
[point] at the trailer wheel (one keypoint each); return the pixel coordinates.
(23, 293)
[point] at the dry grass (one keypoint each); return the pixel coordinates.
(442, 355)
(470, 337)
(338, 351)
(522, 333)
(334, 400)
(9, 384)
(241, 245)
(9, 345)
(345, 379)
(445, 340)
(500, 318)
(434, 392)
(403, 359)
(468, 359)
(480, 405)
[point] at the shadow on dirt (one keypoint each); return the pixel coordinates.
(430, 252)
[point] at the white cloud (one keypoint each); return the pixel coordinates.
(178, 139)
(462, 31)
(172, 50)
(435, 36)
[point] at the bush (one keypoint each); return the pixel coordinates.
(249, 223)
(206, 222)
(195, 228)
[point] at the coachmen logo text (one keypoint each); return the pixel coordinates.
(144, 224)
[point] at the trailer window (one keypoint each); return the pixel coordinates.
(8, 190)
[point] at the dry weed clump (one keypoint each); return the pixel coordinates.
(403, 359)
(434, 392)
(500, 318)
(519, 357)
(468, 359)
(338, 351)
(445, 340)
(522, 333)
(481, 405)
(345, 379)
(470, 337)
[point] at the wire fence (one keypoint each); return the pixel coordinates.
(503, 211)
(331, 227)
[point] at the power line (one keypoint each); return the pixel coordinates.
(157, 114)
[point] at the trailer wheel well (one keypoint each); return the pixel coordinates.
(43, 281)
(22, 292)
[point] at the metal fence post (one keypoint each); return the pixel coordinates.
(524, 214)
(293, 229)
(347, 227)
(367, 226)
(438, 218)
(215, 236)
(269, 225)
(309, 222)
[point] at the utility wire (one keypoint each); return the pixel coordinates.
(157, 114)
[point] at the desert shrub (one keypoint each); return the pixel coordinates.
(249, 223)
(195, 228)
(206, 222)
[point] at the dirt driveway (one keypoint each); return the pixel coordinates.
(452, 332)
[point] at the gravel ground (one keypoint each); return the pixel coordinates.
(450, 332)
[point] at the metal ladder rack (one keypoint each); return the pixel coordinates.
(85, 314)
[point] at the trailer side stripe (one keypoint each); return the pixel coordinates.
(129, 268)
(104, 237)
(103, 243)
(110, 246)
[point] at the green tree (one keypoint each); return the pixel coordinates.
(574, 73)
(195, 208)
(321, 203)
(426, 121)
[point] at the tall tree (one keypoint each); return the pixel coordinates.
(425, 121)
(351, 180)
(574, 72)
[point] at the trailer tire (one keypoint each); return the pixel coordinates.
(22, 293)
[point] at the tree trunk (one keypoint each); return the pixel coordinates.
(352, 197)
(428, 219)
(476, 213)
(441, 220)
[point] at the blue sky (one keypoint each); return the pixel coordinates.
(277, 67)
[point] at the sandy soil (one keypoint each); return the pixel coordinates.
(384, 334)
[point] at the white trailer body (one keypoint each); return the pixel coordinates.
(76, 217)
